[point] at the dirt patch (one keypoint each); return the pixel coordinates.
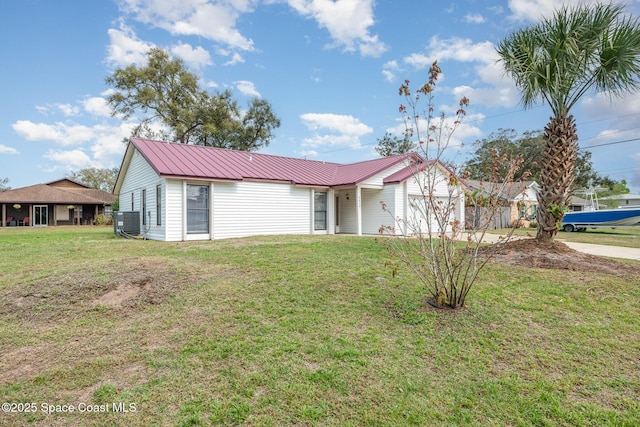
(557, 256)
(118, 296)
(132, 284)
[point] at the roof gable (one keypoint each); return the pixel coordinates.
(67, 183)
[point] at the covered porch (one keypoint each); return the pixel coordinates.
(62, 202)
(42, 215)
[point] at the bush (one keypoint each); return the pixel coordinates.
(103, 220)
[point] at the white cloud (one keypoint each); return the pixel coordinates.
(125, 48)
(533, 10)
(70, 160)
(247, 88)
(96, 105)
(622, 111)
(196, 58)
(465, 129)
(67, 110)
(60, 133)
(492, 87)
(334, 130)
(213, 20)
(389, 70)
(347, 21)
(464, 50)
(236, 58)
(496, 96)
(419, 61)
(473, 18)
(7, 150)
(107, 147)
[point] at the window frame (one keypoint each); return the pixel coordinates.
(322, 212)
(203, 211)
(158, 204)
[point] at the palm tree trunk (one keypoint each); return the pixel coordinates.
(556, 175)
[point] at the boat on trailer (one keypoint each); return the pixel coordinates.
(581, 220)
(593, 217)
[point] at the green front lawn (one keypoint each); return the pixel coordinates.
(302, 330)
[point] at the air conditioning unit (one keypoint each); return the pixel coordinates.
(127, 223)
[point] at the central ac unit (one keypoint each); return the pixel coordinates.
(127, 223)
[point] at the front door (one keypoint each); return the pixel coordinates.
(40, 215)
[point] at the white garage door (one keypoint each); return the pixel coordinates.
(429, 216)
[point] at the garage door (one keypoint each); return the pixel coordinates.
(426, 215)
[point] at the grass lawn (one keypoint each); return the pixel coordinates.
(301, 330)
(620, 236)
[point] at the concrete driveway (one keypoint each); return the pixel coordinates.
(588, 248)
(602, 250)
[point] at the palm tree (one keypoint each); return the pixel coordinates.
(558, 60)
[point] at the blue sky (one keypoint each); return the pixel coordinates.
(330, 69)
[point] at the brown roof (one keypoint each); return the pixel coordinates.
(508, 190)
(53, 193)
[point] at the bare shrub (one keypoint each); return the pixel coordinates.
(433, 239)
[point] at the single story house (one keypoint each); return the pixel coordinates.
(623, 200)
(187, 192)
(519, 201)
(61, 202)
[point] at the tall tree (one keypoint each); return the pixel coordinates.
(390, 145)
(506, 142)
(102, 179)
(558, 60)
(529, 146)
(167, 94)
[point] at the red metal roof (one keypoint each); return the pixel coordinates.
(192, 161)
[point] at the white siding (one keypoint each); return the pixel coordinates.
(373, 216)
(378, 180)
(141, 176)
(348, 221)
(256, 208)
(416, 184)
(173, 209)
(439, 181)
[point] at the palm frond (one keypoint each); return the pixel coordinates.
(576, 50)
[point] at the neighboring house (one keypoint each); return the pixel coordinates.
(187, 192)
(624, 200)
(519, 201)
(62, 202)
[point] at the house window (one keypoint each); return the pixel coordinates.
(158, 205)
(197, 209)
(320, 211)
(143, 196)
